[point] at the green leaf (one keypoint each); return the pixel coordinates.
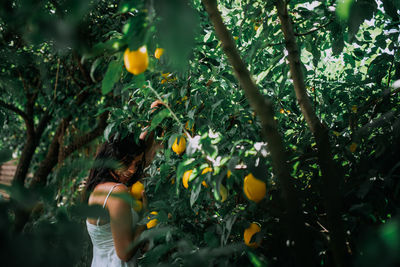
(151, 257)
(195, 194)
(108, 130)
(358, 53)
(158, 118)
(129, 5)
(112, 75)
(360, 11)
(343, 9)
(391, 9)
(255, 260)
(209, 148)
(139, 80)
(135, 31)
(211, 239)
(95, 64)
(336, 37)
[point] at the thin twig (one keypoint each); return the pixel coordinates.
(314, 30)
(323, 228)
(15, 109)
(72, 76)
(23, 82)
(55, 86)
(390, 69)
(244, 12)
(82, 69)
(170, 110)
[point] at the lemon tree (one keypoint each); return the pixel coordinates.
(260, 114)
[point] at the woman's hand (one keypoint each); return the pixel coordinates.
(153, 107)
(151, 145)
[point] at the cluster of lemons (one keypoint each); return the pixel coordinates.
(137, 61)
(255, 190)
(136, 191)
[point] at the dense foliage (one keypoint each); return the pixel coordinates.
(64, 89)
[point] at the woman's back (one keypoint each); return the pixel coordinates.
(104, 253)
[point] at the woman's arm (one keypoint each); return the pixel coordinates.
(122, 228)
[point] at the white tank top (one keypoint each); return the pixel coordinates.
(104, 254)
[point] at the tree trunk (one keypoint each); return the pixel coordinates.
(51, 160)
(332, 176)
(264, 109)
(25, 161)
(30, 146)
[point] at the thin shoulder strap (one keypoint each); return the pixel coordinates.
(105, 201)
(109, 193)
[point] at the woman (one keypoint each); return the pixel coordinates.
(113, 237)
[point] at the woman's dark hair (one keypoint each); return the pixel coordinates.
(112, 153)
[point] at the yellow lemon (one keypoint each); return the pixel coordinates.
(185, 178)
(228, 174)
(158, 53)
(179, 146)
(249, 232)
(187, 127)
(223, 192)
(137, 61)
(207, 169)
(254, 189)
(137, 205)
(256, 27)
(152, 223)
(136, 190)
(353, 147)
(167, 77)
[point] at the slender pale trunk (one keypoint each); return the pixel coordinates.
(264, 110)
(332, 175)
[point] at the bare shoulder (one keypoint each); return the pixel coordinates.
(119, 199)
(120, 188)
(101, 191)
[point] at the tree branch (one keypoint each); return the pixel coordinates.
(88, 137)
(316, 29)
(51, 160)
(390, 69)
(44, 121)
(14, 109)
(82, 69)
(70, 74)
